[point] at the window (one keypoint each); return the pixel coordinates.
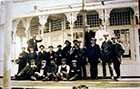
(46, 30)
(120, 18)
(56, 25)
(124, 37)
(93, 20)
(79, 22)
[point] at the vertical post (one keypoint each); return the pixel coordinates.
(7, 45)
(139, 11)
(104, 15)
(26, 23)
(84, 20)
(71, 18)
(71, 27)
(42, 21)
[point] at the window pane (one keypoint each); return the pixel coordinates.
(120, 18)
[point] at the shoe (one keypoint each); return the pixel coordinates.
(45, 79)
(104, 77)
(64, 79)
(112, 77)
(118, 78)
(33, 78)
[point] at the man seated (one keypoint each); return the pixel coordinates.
(63, 70)
(51, 72)
(74, 71)
(28, 71)
(41, 72)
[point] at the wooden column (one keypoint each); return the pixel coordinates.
(7, 45)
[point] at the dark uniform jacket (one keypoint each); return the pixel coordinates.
(32, 56)
(74, 71)
(42, 56)
(22, 60)
(82, 56)
(52, 68)
(33, 43)
(66, 53)
(75, 53)
(27, 72)
(107, 51)
(93, 53)
(88, 36)
(59, 56)
(51, 56)
(117, 51)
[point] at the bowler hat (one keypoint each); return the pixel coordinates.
(50, 47)
(59, 46)
(75, 40)
(42, 46)
(73, 61)
(67, 42)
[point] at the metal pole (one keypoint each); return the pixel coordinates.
(84, 20)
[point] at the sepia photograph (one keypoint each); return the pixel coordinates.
(69, 44)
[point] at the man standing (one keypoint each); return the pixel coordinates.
(42, 55)
(88, 35)
(66, 51)
(106, 55)
(117, 52)
(59, 55)
(93, 54)
(22, 59)
(33, 43)
(51, 54)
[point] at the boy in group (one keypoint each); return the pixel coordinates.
(117, 52)
(59, 55)
(51, 54)
(51, 72)
(28, 71)
(63, 70)
(74, 71)
(40, 74)
(42, 55)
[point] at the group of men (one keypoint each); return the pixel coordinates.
(70, 62)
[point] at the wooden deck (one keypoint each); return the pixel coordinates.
(125, 83)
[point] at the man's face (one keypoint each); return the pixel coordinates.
(74, 64)
(52, 62)
(88, 28)
(51, 49)
(23, 49)
(31, 49)
(43, 63)
(63, 62)
(32, 62)
(93, 41)
(106, 37)
(41, 48)
(34, 37)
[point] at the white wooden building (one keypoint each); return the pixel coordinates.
(51, 19)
